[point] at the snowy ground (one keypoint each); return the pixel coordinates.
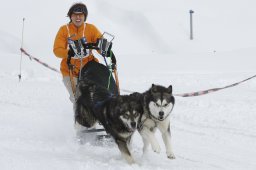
(215, 131)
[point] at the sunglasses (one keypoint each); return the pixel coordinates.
(79, 9)
(78, 14)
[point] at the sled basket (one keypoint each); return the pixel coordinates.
(100, 75)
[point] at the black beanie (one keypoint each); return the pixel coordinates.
(78, 8)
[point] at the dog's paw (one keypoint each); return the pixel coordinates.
(131, 161)
(171, 156)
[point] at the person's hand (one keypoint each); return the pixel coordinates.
(113, 59)
(113, 66)
(104, 46)
(85, 52)
(71, 52)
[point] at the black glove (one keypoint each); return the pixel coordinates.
(113, 59)
(102, 44)
(110, 51)
(71, 52)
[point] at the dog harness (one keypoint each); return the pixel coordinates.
(147, 116)
(88, 52)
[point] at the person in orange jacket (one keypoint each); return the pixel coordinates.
(75, 30)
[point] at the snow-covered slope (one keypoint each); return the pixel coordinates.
(215, 131)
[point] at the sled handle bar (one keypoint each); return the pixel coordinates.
(91, 46)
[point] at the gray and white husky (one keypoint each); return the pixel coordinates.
(158, 103)
(119, 115)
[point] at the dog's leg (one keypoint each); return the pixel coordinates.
(166, 135)
(148, 136)
(129, 143)
(125, 151)
(145, 140)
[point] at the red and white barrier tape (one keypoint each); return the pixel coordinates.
(203, 92)
(37, 60)
(192, 94)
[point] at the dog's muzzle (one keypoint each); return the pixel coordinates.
(133, 127)
(161, 115)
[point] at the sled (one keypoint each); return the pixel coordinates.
(101, 75)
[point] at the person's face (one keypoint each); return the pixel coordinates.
(77, 19)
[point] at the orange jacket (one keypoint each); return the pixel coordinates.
(60, 48)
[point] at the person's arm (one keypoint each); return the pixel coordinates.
(96, 34)
(60, 44)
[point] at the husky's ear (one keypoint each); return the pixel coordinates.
(169, 89)
(153, 88)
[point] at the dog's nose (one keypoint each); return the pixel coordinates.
(133, 124)
(161, 113)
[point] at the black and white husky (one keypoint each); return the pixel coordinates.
(158, 103)
(119, 115)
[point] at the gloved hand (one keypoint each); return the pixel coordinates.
(85, 51)
(112, 55)
(113, 59)
(71, 52)
(85, 45)
(104, 46)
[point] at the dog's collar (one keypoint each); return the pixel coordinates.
(140, 125)
(147, 116)
(150, 116)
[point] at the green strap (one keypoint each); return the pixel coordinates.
(110, 53)
(110, 74)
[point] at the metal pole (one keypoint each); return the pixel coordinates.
(191, 24)
(21, 47)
